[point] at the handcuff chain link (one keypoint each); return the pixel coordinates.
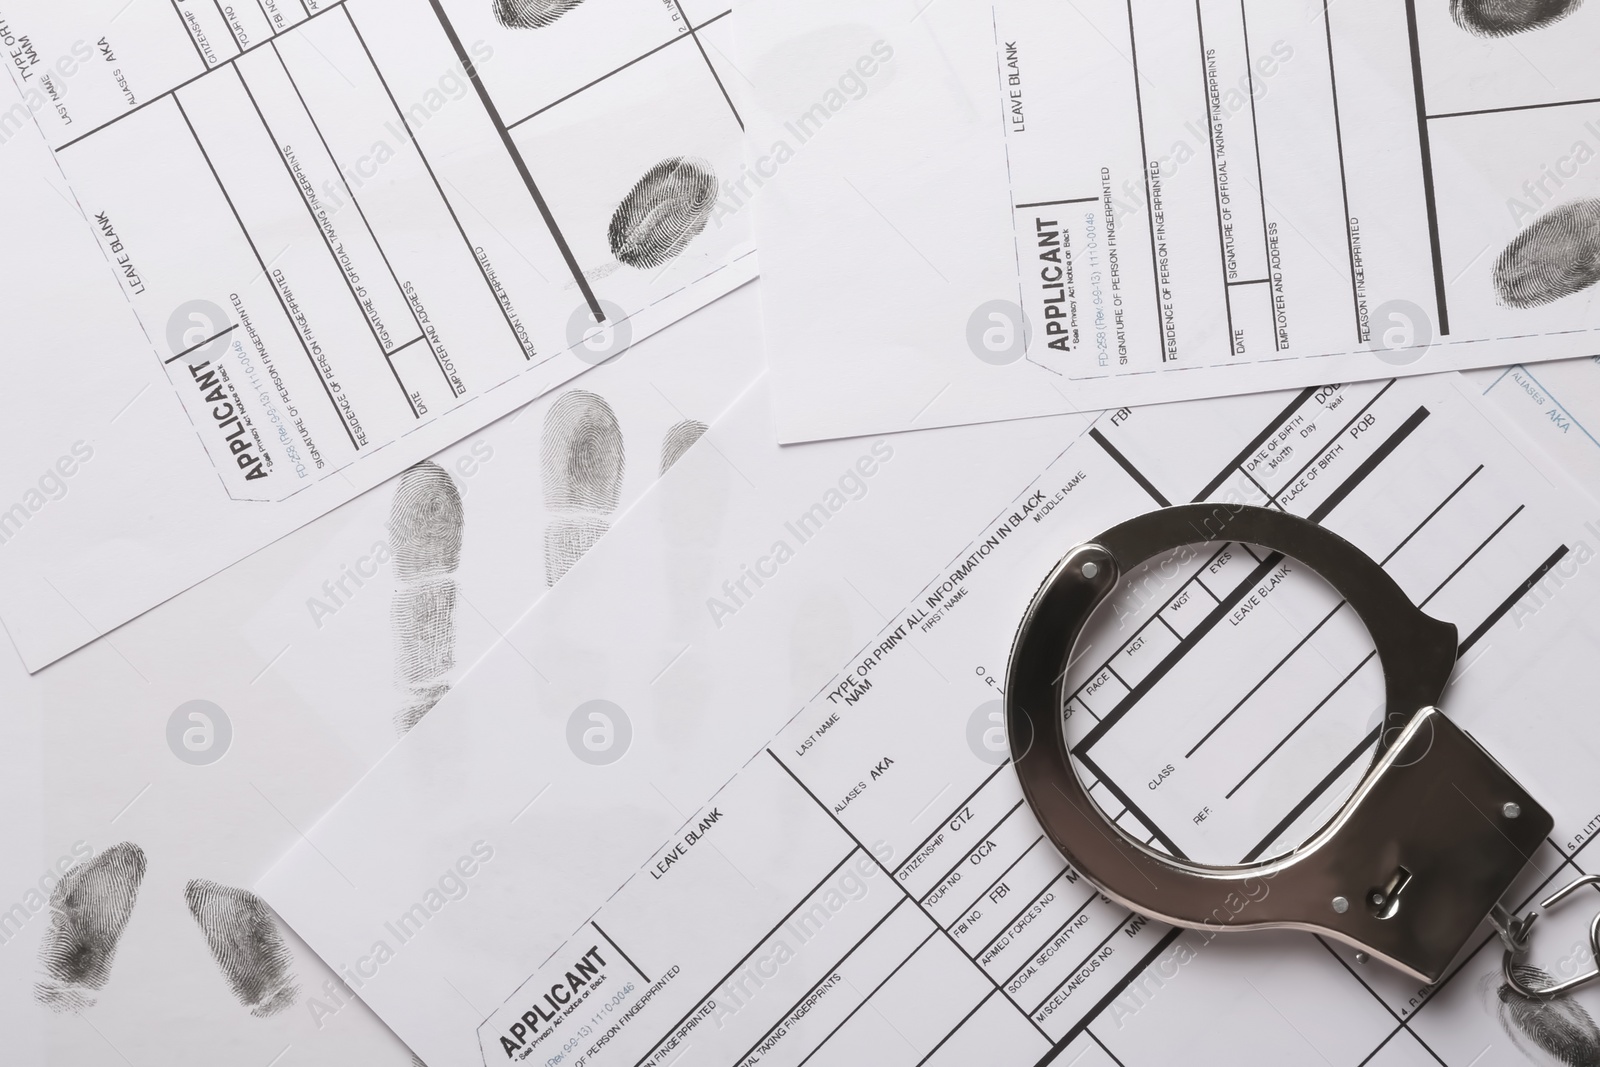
(1515, 932)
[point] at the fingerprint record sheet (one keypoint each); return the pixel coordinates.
(352, 232)
(288, 676)
(926, 918)
(870, 887)
(1079, 206)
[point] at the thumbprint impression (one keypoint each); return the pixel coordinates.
(582, 462)
(1556, 256)
(244, 939)
(531, 14)
(89, 909)
(1502, 18)
(426, 527)
(663, 212)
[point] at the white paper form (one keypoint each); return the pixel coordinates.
(352, 233)
(207, 731)
(1015, 209)
(1556, 404)
(869, 886)
(342, 626)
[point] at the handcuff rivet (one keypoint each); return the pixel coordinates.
(1091, 570)
(1511, 809)
(1362, 957)
(1341, 905)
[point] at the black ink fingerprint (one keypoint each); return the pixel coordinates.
(423, 616)
(89, 909)
(1556, 256)
(531, 14)
(663, 212)
(422, 700)
(582, 461)
(679, 440)
(1502, 18)
(565, 543)
(426, 522)
(427, 526)
(581, 454)
(1558, 1026)
(244, 939)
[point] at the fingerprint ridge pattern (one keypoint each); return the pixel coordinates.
(663, 212)
(89, 910)
(1560, 1027)
(531, 14)
(427, 528)
(582, 462)
(679, 440)
(1503, 18)
(249, 949)
(1555, 256)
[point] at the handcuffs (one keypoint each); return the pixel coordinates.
(1413, 862)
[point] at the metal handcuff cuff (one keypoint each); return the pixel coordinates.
(1413, 862)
